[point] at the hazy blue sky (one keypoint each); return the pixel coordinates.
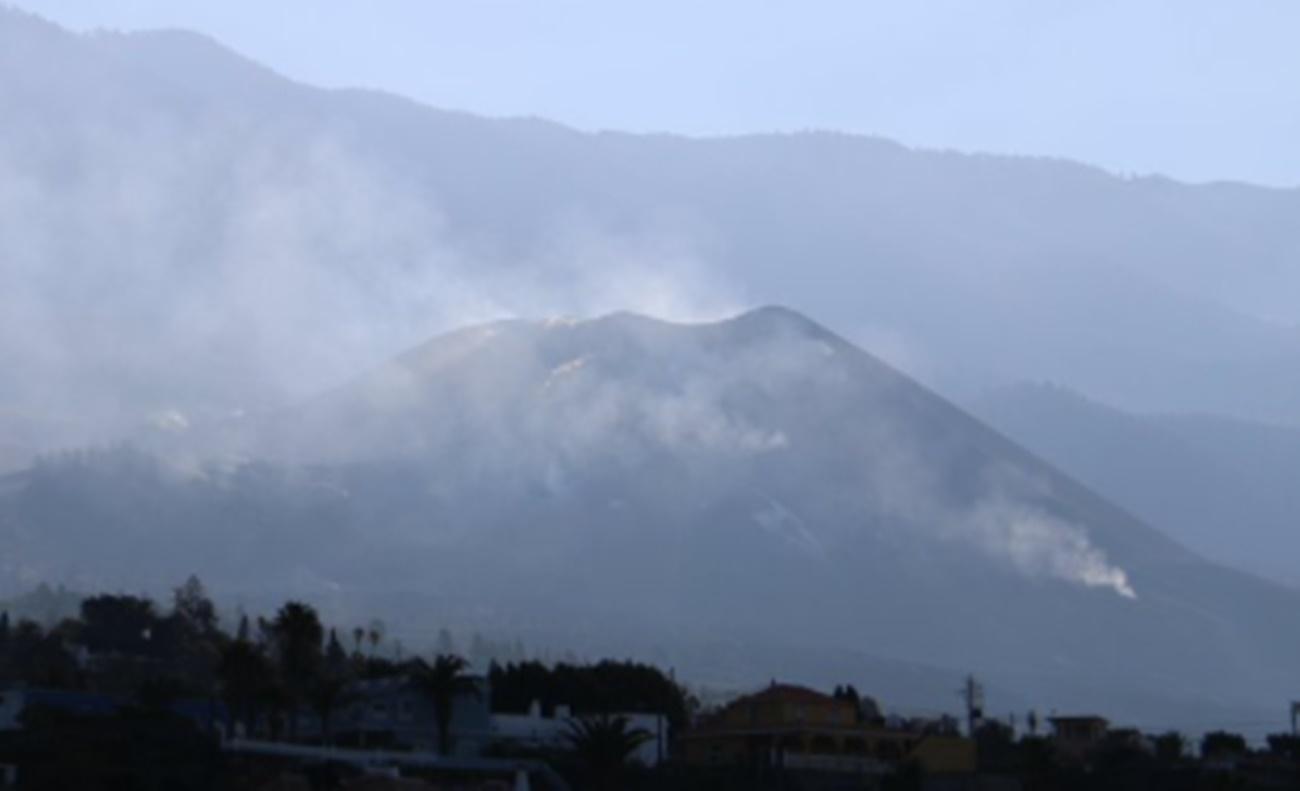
(1198, 89)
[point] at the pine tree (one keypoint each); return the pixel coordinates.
(336, 659)
(191, 602)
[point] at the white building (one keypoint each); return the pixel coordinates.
(538, 731)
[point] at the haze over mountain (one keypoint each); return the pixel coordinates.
(1226, 488)
(209, 261)
(1132, 87)
(695, 492)
(184, 234)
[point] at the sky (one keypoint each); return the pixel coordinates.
(1199, 90)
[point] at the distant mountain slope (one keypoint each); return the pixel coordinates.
(1226, 488)
(184, 231)
(754, 483)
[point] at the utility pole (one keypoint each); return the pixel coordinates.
(1295, 718)
(973, 694)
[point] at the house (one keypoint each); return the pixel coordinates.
(788, 727)
(395, 712)
(536, 731)
(1074, 737)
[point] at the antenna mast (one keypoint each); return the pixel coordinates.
(973, 694)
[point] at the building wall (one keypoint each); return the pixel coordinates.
(938, 753)
(394, 707)
(1073, 737)
(538, 731)
(945, 755)
(11, 705)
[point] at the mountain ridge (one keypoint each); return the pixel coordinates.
(748, 480)
(376, 221)
(1222, 485)
(32, 20)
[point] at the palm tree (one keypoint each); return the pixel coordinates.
(375, 633)
(442, 682)
(603, 746)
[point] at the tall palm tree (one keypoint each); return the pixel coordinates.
(442, 682)
(375, 633)
(603, 746)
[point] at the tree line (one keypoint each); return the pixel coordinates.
(270, 670)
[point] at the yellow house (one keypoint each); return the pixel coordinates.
(791, 727)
